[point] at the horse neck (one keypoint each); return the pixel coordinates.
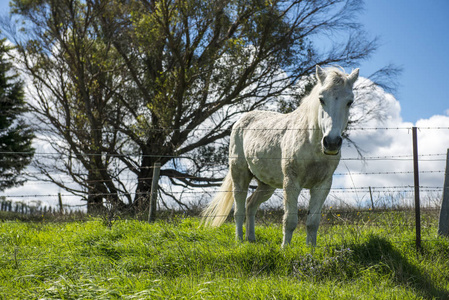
(306, 116)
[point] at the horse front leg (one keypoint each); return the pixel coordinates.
(317, 197)
(290, 220)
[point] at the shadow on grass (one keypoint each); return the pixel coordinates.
(379, 252)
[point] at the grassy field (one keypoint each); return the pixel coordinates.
(374, 259)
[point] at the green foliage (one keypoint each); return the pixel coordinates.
(16, 136)
(307, 85)
(136, 260)
(169, 78)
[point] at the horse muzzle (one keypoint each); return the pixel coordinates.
(332, 145)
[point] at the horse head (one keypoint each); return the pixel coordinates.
(336, 97)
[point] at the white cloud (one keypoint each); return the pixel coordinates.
(37, 191)
(388, 168)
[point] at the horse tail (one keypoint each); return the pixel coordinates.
(218, 209)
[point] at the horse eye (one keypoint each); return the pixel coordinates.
(321, 100)
(350, 103)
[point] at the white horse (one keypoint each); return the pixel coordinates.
(291, 151)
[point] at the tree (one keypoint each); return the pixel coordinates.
(124, 84)
(16, 137)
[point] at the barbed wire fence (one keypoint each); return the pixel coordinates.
(31, 203)
(432, 157)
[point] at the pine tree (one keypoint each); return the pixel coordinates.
(16, 136)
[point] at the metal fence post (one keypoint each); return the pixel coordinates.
(443, 223)
(416, 182)
(153, 196)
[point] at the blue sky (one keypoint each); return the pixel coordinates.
(414, 35)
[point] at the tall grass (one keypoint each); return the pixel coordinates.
(373, 258)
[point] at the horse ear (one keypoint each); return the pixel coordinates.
(353, 76)
(320, 74)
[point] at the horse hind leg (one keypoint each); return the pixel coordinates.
(241, 177)
(262, 194)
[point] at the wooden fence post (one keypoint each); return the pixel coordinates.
(416, 183)
(61, 207)
(153, 196)
(371, 197)
(443, 223)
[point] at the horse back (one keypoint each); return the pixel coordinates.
(256, 140)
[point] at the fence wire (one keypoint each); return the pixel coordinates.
(335, 191)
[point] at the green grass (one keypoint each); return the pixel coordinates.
(375, 259)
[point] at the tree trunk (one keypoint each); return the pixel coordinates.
(94, 199)
(143, 190)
